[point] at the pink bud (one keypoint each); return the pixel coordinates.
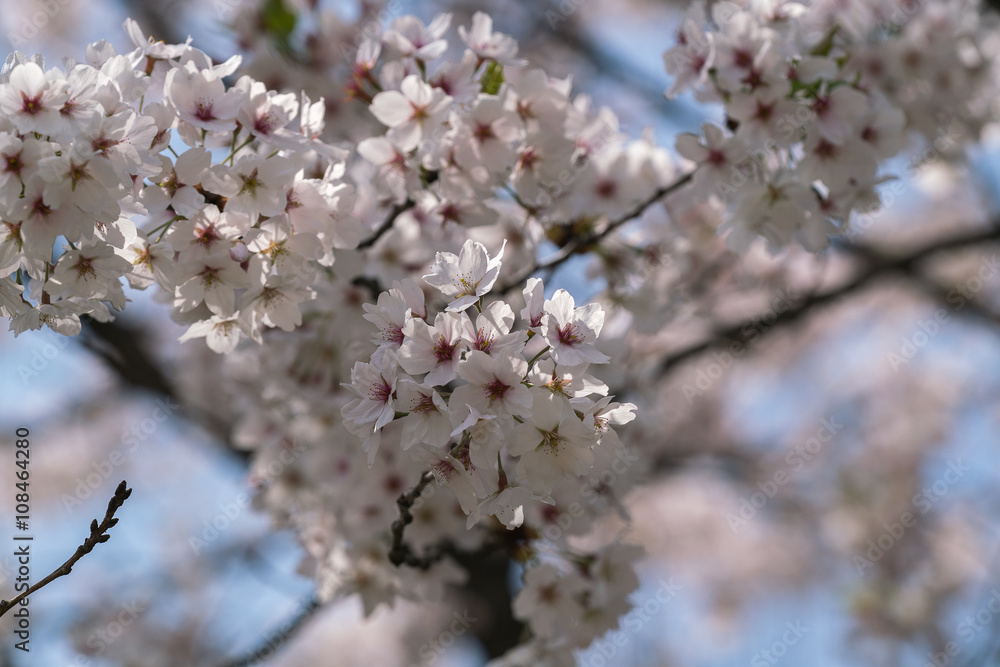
(239, 252)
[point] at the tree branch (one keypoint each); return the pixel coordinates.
(878, 266)
(933, 287)
(98, 534)
(386, 224)
(400, 551)
(579, 243)
(279, 637)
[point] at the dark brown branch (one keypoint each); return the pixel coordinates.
(580, 244)
(279, 637)
(400, 552)
(931, 286)
(878, 266)
(123, 346)
(386, 224)
(98, 534)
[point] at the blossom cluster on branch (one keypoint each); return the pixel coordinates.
(455, 166)
(817, 96)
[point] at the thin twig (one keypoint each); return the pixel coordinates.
(98, 534)
(578, 243)
(879, 266)
(400, 552)
(386, 224)
(279, 637)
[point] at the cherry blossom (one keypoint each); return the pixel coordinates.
(267, 223)
(467, 276)
(571, 331)
(411, 110)
(201, 98)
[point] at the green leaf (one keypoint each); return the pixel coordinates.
(824, 47)
(493, 78)
(278, 20)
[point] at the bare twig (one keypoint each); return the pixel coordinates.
(400, 552)
(579, 243)
(878, 266)
(98, 534)
(279, 637)
(386, 224)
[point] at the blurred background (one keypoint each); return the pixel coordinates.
(774, 482)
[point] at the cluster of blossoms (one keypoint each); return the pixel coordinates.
(498, 429)
(537, 414)
(237, 200)
(149, 166)
(468, 154)
(816, 96)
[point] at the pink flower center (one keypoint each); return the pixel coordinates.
(206, 236)
(529, 158)
(393, 334)
(424, 405)
(606, 189)
(393, 484)
(754, 78)
(263, 124)
(743, 59)
(826, 150)
(444, 469)
(450, 212)
(483, 341)
(40, 208)
(85, 266)
(203, 111)
(380, 392)
(570, 335)
(12, 164)
(822, 105)
(209, 276)
(764, 111)
(31, 105)
(716, 158)
(483, 133)
(443, 350)
(102, 144)
(496, 389)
